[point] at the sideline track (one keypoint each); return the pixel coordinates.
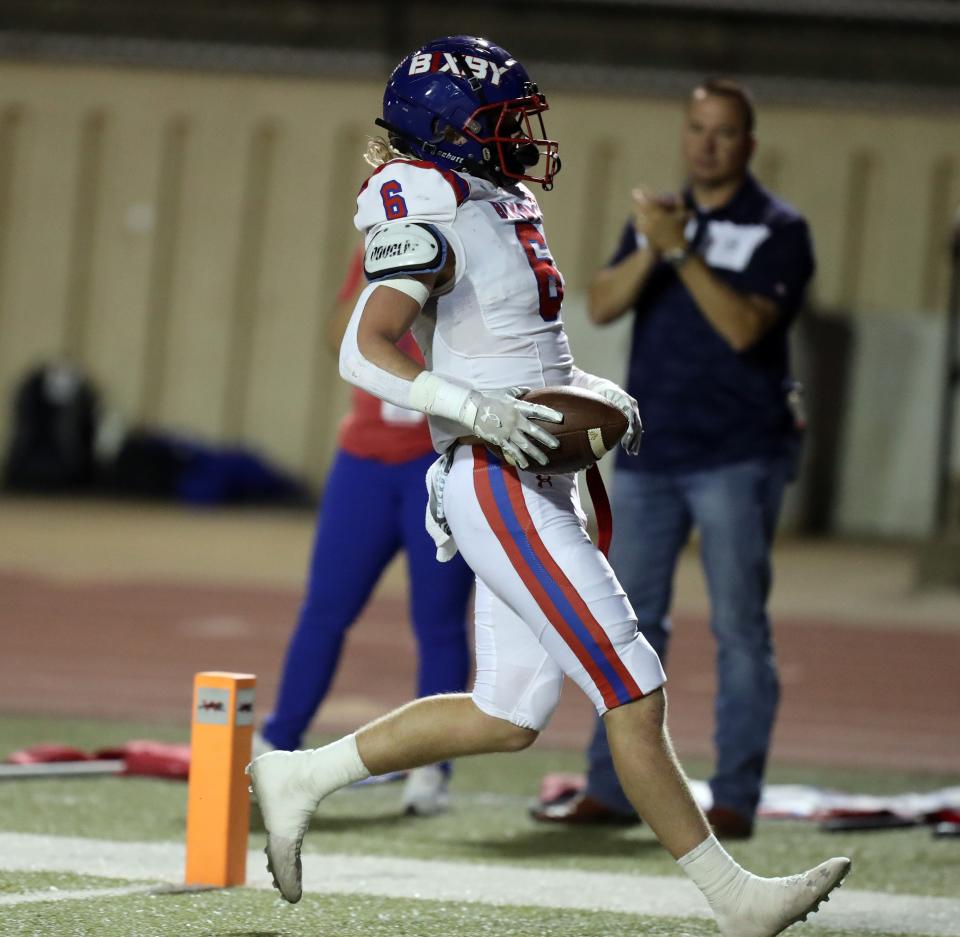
(646, 895)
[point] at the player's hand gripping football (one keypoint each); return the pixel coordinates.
(626, 404)
(504, 420)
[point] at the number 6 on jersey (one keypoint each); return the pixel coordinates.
(549, 280)
(393, 202)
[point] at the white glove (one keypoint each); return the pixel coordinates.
(621, 400)
(502, 420)
(496, 416)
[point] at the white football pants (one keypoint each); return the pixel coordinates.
(547, 601)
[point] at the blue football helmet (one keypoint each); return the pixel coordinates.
(464, 103)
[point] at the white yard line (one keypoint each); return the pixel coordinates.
(80, 894)
(653, 896)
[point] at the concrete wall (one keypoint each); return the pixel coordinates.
(181, 235)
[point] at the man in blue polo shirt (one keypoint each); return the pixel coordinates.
(715, 278)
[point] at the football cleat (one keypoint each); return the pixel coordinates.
(259, 745)
(768, 906)
(425, 792)
(286, 804)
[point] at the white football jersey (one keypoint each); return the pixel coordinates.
(499, 326)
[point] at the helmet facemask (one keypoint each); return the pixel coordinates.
(511, 145)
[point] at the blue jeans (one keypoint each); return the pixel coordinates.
(735, 508)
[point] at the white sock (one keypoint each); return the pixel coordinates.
(715, 872)
(333, 766)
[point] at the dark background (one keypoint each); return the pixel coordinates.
(844, 48)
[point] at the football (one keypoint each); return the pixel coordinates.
(591, 427)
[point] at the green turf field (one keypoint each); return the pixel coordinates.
(488, 824)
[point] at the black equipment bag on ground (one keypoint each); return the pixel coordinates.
(52, 435)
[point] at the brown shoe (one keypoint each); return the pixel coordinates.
(582, 810)
(729, 824)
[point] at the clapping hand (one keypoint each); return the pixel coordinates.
(661, 219)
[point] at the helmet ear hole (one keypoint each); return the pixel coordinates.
(452, 135)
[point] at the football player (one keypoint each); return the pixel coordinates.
(455, 251)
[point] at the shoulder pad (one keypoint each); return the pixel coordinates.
(404, 249)
(410, 189)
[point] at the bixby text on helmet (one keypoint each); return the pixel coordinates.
(466, 104)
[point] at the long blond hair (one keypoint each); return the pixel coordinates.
(379, 151)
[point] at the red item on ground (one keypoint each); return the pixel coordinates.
(144, 758)
(45, 753)
(141, 758)
(946, 815)
(557, 787)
